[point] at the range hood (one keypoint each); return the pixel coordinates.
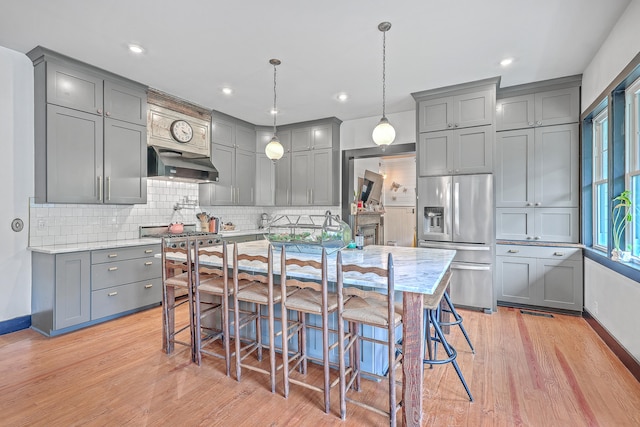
(164, 163)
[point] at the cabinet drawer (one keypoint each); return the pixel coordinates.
(121, 272)
(551, 252)
(116, 299)
(121, 254)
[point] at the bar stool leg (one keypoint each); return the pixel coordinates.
(451, 353)
(458, 321)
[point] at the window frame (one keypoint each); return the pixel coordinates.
(632, 156)
(598, 177)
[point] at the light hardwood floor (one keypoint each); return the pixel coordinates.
(527, 371)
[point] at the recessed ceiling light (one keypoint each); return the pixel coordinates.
(273, 111)
(227, 90)
(136, 48)
(505, 62)
(342, 97)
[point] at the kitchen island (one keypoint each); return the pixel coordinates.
(418, 271)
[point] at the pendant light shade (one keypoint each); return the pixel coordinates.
(274, 150)
(384, 133)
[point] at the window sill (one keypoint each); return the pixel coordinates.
(630, 270)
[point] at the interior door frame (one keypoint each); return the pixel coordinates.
(348, 168)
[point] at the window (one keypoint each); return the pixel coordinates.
(600, 180)
(632, 178)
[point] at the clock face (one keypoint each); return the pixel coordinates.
(181, 131)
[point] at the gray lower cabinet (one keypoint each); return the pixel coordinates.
(78, 289)
(84, 117)
(540, 276)
(61, 291)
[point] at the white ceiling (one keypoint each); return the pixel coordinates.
(194, 48)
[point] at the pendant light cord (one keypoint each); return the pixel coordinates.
(384, 74)
(275, 110)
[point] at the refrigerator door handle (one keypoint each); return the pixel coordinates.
(456, 208)
(470, 267)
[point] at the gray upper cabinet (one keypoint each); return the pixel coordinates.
(460, 151)
(311, 138)
(282, 171)
(537, 167)
(265, 180)
(85, 117)
(546, 108)
(459, 111)
(233, 154)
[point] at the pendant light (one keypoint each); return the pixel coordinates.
(274, 150)
(384, 133)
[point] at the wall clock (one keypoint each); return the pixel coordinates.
(181, 131)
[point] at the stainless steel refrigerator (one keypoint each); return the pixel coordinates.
(457, 212)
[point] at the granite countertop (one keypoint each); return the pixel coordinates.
(538, 243)
(90, 246)
(417, 270)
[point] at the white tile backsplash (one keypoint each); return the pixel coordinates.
(70, 223)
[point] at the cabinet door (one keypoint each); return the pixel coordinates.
(223, 158)
(265, 180)
(300, 185)
(559, 284)
(74, 156)
(434, 156)
(473, 109)
(223, 132)
(73, 289)
(125, 103)
(301, 139)
(556, 166)
(321, 137)
(245, 177)
(125, 162)
(283, 180)
(515, 223)
(435, 114)
(472, 150)
(557, 107)
(556, 225)
(514, 168)
(245, 138)
(517, 112)
(75, 89)
(205, 194)
(516, 277)
(321, 180)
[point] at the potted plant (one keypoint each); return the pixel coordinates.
(622, 214)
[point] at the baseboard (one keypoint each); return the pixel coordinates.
(13, 325)
(627, 359)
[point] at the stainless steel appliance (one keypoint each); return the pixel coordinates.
(456, 212)
(189, 230)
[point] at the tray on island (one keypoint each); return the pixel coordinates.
(309, 233)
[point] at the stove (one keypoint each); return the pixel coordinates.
(188, 236)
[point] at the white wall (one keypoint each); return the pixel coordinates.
(617, 297)
(357, 133)
(16, 175)
(622, 45)
(613, 300)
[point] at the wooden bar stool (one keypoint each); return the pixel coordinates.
(176, 274)
(432, 307)
(212, 281)
(307, 298)
(360, 307)
(254, 284)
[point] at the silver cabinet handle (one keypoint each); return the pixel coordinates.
(150, 285)
(108, 188)
(538, 203)
(100, 188)
(528, 237)
(251, 194)
(456, 125)
(99, 110)
(539, 123)
(530, 123)
(108, 114)
(311, 196)
(113, 268)
(449, 125)
(529, 204)
(513, 251)
(536, 238)
(112, 294)
(148, 251)
(148, 263)
(558, 254)
(112, 255)
(457, 170)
